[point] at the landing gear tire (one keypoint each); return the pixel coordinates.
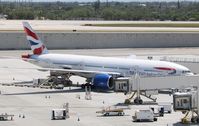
(138, 101)
(197, 120)
(193, 120)
(107, 114)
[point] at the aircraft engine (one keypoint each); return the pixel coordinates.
(103, 82)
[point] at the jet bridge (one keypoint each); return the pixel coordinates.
(188, 103)
(149, 86)
(168, 82)
(151, 83)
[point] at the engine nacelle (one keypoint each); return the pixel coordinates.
(103, 82)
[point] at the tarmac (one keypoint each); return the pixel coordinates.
(35, 104)
(79, 26)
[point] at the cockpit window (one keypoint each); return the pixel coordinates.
(186, 71)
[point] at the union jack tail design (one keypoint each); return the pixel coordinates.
(36, 44)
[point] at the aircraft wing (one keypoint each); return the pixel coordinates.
(57, 71)
(77, 72)
(64, 69)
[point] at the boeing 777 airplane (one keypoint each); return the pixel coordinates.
(99, 71)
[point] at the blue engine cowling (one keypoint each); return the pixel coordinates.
(103, 82)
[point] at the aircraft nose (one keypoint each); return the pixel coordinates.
(184, 70)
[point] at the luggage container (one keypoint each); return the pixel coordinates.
(58, 114)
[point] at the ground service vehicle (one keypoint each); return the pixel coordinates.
(144, 115)
(111, 111)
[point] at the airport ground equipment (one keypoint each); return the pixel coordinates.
(190, 117)
(6, 117)
(58, 114)
(158, 111)
(126, 85)
(59, 86)
(88, 93)
(111, 111)
(137, 99)
(187, 102)
(167, 107)
(122, 84)
(153, 84)
(167, 82)
(66, 107)
(144, 115)
(55, 80)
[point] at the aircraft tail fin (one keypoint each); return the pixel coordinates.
(36, 44)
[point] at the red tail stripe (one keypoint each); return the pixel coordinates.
(38, 51)
(30, 33)
(26, 56)
(164, 68)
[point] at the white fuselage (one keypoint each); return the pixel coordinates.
(124, 66)
(107, 65)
